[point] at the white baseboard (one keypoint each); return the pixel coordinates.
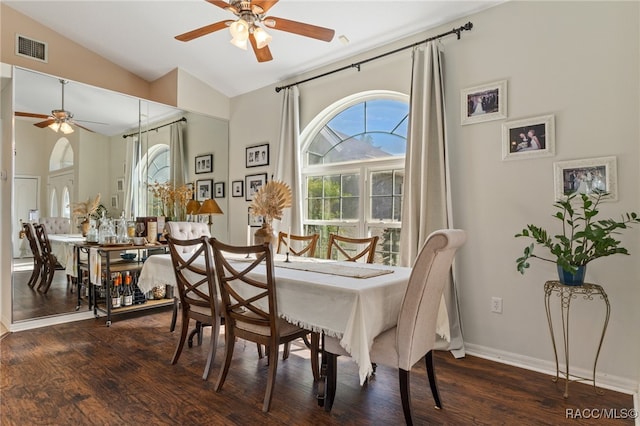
(606, 381)
(47, 321)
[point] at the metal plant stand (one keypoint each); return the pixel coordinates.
(566, 293)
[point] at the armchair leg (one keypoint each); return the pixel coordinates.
(428, 359)
(405, 395)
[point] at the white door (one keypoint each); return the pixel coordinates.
(26, 196)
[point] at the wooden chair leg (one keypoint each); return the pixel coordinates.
(428, 359)
(215, 332)
(229, 343)
(183, 337)
(315, 352)
(271, 380)
(260, 353)
(174, 315)
(405, 395)
(285, 352)
(196, 331)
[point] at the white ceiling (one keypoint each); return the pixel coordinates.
(139, 36)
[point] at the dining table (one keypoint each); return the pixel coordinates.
(63, 247)
(353, 302)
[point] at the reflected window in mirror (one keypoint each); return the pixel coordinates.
(155, 165)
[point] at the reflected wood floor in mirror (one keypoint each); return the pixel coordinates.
(29, 303)
(87, 373)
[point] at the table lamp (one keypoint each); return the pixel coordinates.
(210, 207)
(192, 207)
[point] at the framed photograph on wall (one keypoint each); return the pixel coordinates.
(204, 164)
(190, 188)
(255, 221)
(120, 184)
(483, 103)
(204, 189)
(252, 183)
(257, 155)
(114, 201)
(529, 138)
(586, 176)
(218, 189)
(237, 188)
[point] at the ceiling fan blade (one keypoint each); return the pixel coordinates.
(82, 127)
(300, 28)
(45, 123)
(262, 55)
(221, 4)
(265, 5)
(207, 29)
(31, 115)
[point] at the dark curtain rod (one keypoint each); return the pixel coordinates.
(156, 128)
(456, 31)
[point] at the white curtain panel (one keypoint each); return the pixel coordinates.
(288, 159)
(426, 203)
(130, 161)
(176, 152)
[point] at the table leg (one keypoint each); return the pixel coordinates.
(604, 330)
(547, 306)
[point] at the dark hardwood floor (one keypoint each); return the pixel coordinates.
(86, 373)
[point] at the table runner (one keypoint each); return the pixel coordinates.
(333, 268)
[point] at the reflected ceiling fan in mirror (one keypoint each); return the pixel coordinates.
(247, 27)
(60, 120)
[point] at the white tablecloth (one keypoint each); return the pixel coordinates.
(63, 248)
(355, 310)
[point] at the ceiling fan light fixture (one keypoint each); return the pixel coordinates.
(242, 44)
(66, 128)
(55, 126)
(262, 37)
(239, 30)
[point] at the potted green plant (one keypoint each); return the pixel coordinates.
(583, 237)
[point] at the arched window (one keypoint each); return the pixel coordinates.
(156, 167)
(53, 204)
(66, 208)
(61, 155)
(353, 169)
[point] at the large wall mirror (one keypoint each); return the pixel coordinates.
(118, 146)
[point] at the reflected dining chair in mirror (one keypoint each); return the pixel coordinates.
(299, 245)
(249, 302)
(30, 234)
(193, 268)
(49, 261)
(185, 231)
(413, 338)
(351, 249)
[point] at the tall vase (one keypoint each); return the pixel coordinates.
(265, 234)
(567, 278)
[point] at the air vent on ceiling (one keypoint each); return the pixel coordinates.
(30, 48)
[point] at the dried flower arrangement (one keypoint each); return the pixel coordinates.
(171, 200)
(270, 200)
(85, 209)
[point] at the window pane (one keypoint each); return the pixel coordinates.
(350, 185)
(388, 248)
(332, 186)
(351, 208)
(315, 209)
(314, 186)
(381, 208)
(382, 183)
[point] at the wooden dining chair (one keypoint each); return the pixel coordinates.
(413, 338)
(197, 293)
(185, 231)
(49, 261)
(300, 245)
(30, 234)
(250, 306)
(351, 249)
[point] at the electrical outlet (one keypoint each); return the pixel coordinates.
(496, 305)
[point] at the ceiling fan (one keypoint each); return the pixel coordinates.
(59, 120)
(250, 16)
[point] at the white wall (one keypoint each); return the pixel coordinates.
(576, 60)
